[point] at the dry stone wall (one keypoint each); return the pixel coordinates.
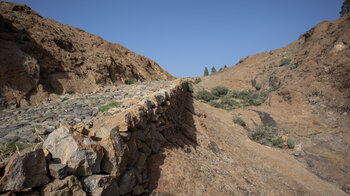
(107, 158)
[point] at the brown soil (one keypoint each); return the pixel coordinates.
(309, 99)
(39, 56)
(222, 160)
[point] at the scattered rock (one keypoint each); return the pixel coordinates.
(41, 130)
(97, 185)
(26, 170)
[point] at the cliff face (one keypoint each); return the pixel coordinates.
(39, 56)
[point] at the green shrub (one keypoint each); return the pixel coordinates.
(205, 95)
(262, 134)
(254, 99)
(219, 91)
(8, 149)
(129, 81)
(197, 80)
(258, 87)
(65, 98)
(108, 106)
(285, 61)
(233, 94)
(244, 94)
(277, 141)
(292, 67)
(231, 103)
(190, 87)
(225, 104)
(239, 121)
(141, 80)
(290, 143)
(215, 104)
(269, 136)
(250, 98)
(228, 99)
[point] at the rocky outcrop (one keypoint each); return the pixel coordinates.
(39, 56)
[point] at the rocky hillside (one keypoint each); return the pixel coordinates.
(316, 65)
(40, 57)
(306, 88)
(279, 125)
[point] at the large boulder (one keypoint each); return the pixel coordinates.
(66, 187)
(25, 170)
(101, 185)
(81, 154)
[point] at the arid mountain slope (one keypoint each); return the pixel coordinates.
(158, 139)
(218, 158)
(320, 61)
(308, 96)
(39, 56)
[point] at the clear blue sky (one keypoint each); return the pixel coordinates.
(184, 36)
